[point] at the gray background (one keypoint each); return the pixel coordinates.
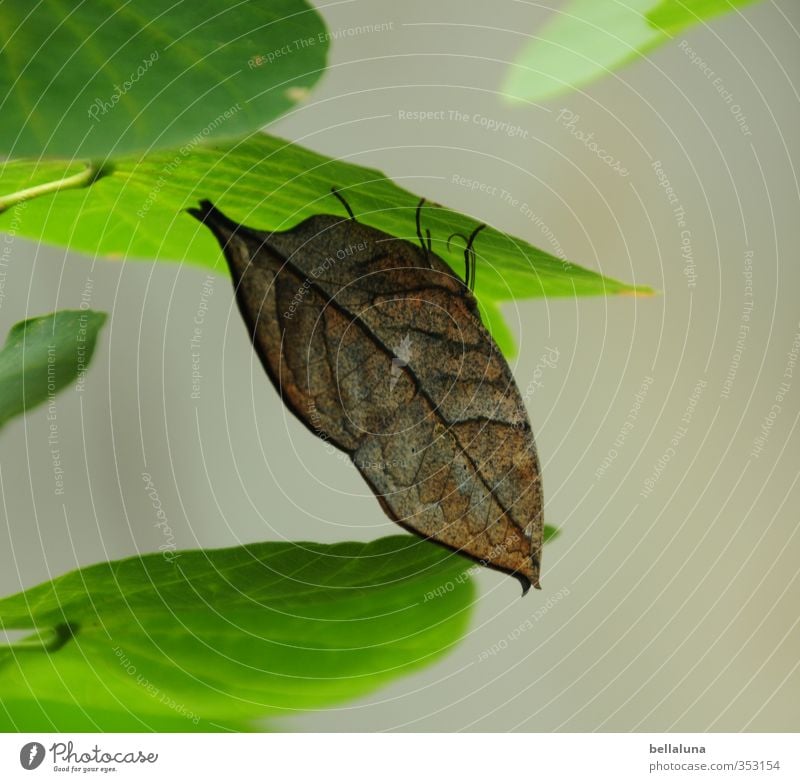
(681, 611)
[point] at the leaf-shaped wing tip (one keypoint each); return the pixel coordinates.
(525, 583)
(221, 226)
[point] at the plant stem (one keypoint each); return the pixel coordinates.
(88, 176)
(47, 640)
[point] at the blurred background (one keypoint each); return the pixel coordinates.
(666, 426)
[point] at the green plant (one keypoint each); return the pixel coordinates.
(43, 355)
(589, 39)
(213, 639)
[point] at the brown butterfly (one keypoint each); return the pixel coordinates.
(377, 346)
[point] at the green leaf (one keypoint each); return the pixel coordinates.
(44, 354)
(493, 320)
(550, 533)
(201, 639)
(137, 209)
(672, 16)
(91, 80)
(44, 715)
(588, 39)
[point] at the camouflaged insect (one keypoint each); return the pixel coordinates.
(377, 346)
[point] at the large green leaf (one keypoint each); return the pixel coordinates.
(94, 79)
(44, 354)
(199, 639)
(586, 39)
(137, 209)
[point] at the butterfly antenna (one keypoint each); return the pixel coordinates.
(419, 225)
(469, 257)
(466, 254)
(336, 192)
